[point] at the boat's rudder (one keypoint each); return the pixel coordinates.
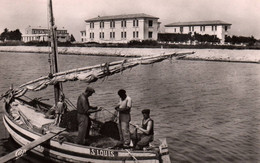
(164, 152)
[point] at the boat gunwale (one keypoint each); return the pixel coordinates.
(54, 147)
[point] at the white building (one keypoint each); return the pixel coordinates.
(120, 28)
(217, 28)
(83, 36)
(43, 34)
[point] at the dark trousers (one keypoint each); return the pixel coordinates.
(83, 128)
(141, 140)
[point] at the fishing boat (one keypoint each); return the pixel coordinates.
(26, 121)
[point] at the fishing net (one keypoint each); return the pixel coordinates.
(104, 116)
(102, 123)
(69, 121)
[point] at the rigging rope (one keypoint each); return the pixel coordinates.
(131, 155)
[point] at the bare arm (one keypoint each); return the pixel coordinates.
(96, 109)
(128, 105)
(149, 127)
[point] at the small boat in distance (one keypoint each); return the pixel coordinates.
(26, 122)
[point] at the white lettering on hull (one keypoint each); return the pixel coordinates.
(105, 153)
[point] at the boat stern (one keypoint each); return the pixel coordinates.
(164, 152)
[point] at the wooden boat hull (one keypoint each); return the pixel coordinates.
(70, 152)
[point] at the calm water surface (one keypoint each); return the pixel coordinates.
(208, 111)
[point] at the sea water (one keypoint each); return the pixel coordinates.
(208, 111)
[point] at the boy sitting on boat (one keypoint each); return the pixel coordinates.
(56, 111)
(60, 109)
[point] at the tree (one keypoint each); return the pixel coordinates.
(72, 38)
(4, 35)
(12, 35)
(15, 35)
(240, 39)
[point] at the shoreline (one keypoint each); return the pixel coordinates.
(216, 55)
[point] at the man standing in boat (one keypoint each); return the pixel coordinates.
(141, 140)
(84, 109)
(124, 108)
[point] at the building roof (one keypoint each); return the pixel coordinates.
(44, 28)
(116, 17)
(197, 23)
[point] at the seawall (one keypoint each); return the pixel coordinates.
(223, 55)
(121, 52)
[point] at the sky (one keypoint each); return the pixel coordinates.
(244, 15)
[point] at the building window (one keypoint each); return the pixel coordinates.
(135, 23)
(123, 23)
(101, 24)
(226, 28)
(123, 35)
(150, 35)
(101, 35)
(112, 35)
(91, 35)
(175, 30)
(92, 25)
(112, 24)
(202, 28)
(135, 34)
(214, 28)
(181, 29)
(150, 23)
(191, 28)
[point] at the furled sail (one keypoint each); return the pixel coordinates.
(90, 74)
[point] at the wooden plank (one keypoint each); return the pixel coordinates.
(21, 151)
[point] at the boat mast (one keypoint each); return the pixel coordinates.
(54, 56)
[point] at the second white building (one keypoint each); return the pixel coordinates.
(216, 27)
